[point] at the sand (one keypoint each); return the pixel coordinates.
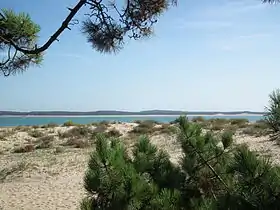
(49, 179)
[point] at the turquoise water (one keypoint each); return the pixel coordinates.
(20, 121)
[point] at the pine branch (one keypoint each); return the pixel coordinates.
(54, 37)
(207, 164)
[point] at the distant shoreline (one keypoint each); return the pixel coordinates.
(108, 116)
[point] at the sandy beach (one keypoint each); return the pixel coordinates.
(49, 176)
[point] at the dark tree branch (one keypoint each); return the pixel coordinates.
(55, 36)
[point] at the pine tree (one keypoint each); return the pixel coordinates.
(272, 118)
(212, 174)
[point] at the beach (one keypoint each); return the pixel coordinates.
(43, 167)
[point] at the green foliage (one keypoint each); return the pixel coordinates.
(106, 28)
(24, 33)
(272, 118)
(212, 174)
(69, 123)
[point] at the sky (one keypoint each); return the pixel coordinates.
(218, 55)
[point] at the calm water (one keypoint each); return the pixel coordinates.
(19, 121)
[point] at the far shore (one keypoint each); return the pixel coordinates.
(108, 116)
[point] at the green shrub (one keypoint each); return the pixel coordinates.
(207, 177)
(69, 123)
(272, 118)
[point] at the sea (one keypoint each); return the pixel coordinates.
(12, 121)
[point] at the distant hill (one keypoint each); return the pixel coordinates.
(112, 112)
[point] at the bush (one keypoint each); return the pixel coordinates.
(198, 119)
(24, 148)
(256, 129)
(165, 129)
(4, 134)
(144, 127)
(208, 176)
(272, 118)
(101, 128)
(69, 123)
(35, 133)
(50, 125)
(114, 133)
(77, 132)
(240, 123)
(44, 142)
(77, 143)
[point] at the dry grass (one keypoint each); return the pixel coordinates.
(22, 129)
(17, 168)
(5, 134)
(77, 132)
(114, 133)
(256, 129)
(44, 142)
(77, 143)
(143, 127)
(35, 133)
(50, 125)
(24, 148)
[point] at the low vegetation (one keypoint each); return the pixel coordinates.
(24, 148)
(69, 123)
(149, 127)
(272, 117)
(4, 134)
(44, 142)
(77, 143)
(213, 174)
(76, 132)
(50, 125)
(113, 133)
(35, 133)
(15, 169)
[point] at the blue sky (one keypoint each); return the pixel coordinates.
(205, 55)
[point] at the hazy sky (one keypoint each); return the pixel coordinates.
(205, 55)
